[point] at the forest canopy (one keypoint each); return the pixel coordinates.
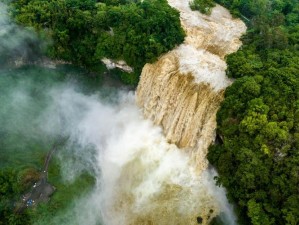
(85, 31)
(258, 161)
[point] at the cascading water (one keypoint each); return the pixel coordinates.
(181, 92)
(145, 174)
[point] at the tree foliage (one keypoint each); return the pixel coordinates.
(85, 31)
(11, 186)
(258, 161)
(204, 6)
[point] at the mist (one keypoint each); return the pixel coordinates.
(18, 45)
(108, 138)
(129, 158)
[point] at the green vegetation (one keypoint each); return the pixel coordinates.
(85, 31)
(24, 95)
(204, 6)
(14, 183)
(10, 187)
(258, 161)
(67, 193)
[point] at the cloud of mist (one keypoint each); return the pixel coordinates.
(17, 44)
(128, 155)
(109, 139)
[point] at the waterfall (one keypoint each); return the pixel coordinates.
(150, 169)
(182, 91)
(150, 161)
(153, 166)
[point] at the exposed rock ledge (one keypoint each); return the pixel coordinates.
(120, 64)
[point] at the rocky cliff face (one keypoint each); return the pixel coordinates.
(182, 91)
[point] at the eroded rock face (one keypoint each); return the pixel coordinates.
(182, 91)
